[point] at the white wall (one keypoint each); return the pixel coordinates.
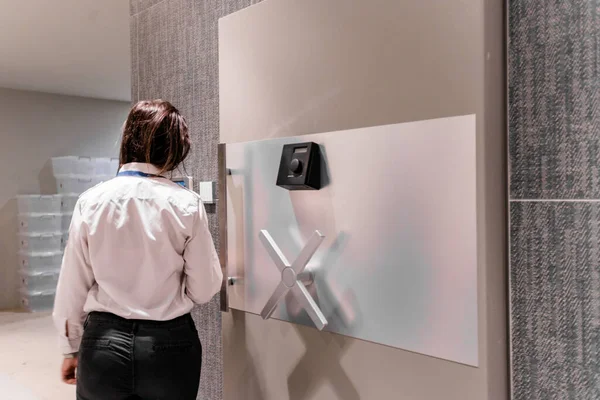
(72, 47)
(34, 127)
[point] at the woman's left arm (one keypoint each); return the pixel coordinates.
(75, 281)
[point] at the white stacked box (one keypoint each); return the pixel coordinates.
(38, 281)
(40, 262)
(32, 242)
(73, 165)
(66, 224)
(73, 184)
(68, 202)
(44, 223)
(39, 276)
(75, 175)
(40, 223)
(114, 166)
(40, 241)
(37, 300)
(105, 169)
(67, 207)
(38, 204)
(65, 238)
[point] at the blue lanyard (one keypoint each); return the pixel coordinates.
(139, 173)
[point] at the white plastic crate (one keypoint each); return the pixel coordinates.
(68, 202)
(64, 239)
(114, 166)
(40, 223)
(38, 204)
(38, 300)
(40, 242)
(73, 165)
(73, 184)
(66, 222)
(32, 281)
(39, 262)
(102, 166)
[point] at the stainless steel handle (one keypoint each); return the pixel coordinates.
(234, 280)
(222, 216)
(293, 277)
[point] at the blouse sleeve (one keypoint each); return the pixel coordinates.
(74, 283)
(202, 268)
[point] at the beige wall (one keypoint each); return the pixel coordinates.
(33, 128)
(290, 68)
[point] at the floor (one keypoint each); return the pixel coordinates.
(30, 358)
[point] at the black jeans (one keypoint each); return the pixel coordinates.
(122, 359)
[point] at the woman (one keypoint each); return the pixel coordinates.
(139, 256)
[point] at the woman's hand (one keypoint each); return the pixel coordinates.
(69, 366)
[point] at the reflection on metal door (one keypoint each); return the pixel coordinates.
(397, 215)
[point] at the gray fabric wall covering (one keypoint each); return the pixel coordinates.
(556, 298)
(554, 99)
(175, 57)
(554, 144)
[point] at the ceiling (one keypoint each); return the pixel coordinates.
(73, 47)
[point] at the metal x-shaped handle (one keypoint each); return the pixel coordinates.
(291, 278)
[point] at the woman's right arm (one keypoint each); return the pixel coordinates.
(202, 267)
(74, 283)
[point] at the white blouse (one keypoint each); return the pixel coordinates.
(140, 248)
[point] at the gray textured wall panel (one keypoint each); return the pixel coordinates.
(174, 45)
(165, 61)
(133, 42)
(554, 56)
(554, 143)
(555, 268)
(137, 6)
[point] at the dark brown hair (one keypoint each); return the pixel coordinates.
(155, 133)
